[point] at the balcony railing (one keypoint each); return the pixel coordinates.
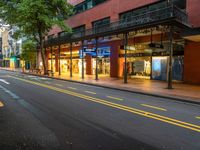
(159, 15)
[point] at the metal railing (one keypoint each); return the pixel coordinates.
(131, 22)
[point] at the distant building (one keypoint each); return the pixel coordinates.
(11, 48)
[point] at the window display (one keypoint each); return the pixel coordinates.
(159, 68)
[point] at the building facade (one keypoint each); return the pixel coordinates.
(11, 48)
(151, 39)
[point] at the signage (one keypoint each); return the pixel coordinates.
(101, 51)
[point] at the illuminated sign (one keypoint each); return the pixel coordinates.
(101, 51)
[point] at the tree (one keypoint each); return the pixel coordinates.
(35, 18)
(29, 52)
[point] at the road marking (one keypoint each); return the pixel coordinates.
(154, 107)
(2, 80)
(1, 104)
(69, 87)
(198, 117)
(161, 118)
(115, 98)
(47, 82)
(90, 92)
(59, 85)
(3, 76)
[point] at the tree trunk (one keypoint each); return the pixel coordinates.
(43, 56)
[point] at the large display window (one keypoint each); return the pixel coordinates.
(64, 65)
(177, 68)
(159, 68)
(103, 65)
(139, 67)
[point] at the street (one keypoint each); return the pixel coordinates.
(42, 113)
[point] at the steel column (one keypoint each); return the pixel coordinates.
(125, 56)
(170, 58)
(82, 59)
(96, 70)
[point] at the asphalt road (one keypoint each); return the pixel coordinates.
(46, 114)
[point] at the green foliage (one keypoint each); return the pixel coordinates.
(35, 18)
(29, 51)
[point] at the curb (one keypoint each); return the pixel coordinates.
(121, 89)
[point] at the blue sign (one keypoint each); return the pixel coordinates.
(101, 51)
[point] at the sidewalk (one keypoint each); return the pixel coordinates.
(180, 91)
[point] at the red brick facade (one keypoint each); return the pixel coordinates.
(193, 12)
(192, 49)
(112, 9)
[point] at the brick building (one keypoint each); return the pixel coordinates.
(156, 39)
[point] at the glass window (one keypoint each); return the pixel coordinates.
(50, 36)
(62, 34)
(102, 22)
(96, 2)
(79, 29)
(127, 15)
(87, 4)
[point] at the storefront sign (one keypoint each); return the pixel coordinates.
(101, 51)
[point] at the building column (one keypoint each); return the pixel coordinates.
(96, 70)
(170, 58)
(125, 56)
(56, 60)
(88, 60)
(51, 59)
(82, 58)
(114, 58)
(70, 59)
(59, 69)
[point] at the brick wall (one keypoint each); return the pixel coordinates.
(193, 12)
(110, 8)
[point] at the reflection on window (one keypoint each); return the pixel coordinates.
(101, 23)
(87, 4)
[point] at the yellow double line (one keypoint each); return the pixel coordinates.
(121, 107)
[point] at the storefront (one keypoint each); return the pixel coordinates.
(103, 59)
(138, 61)
(152, 63)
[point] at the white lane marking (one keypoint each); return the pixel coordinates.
(59, 85)
(90, 92)
(154, 107)
(115, 98)
(2, 80)
(13, 95)
(71, 88)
